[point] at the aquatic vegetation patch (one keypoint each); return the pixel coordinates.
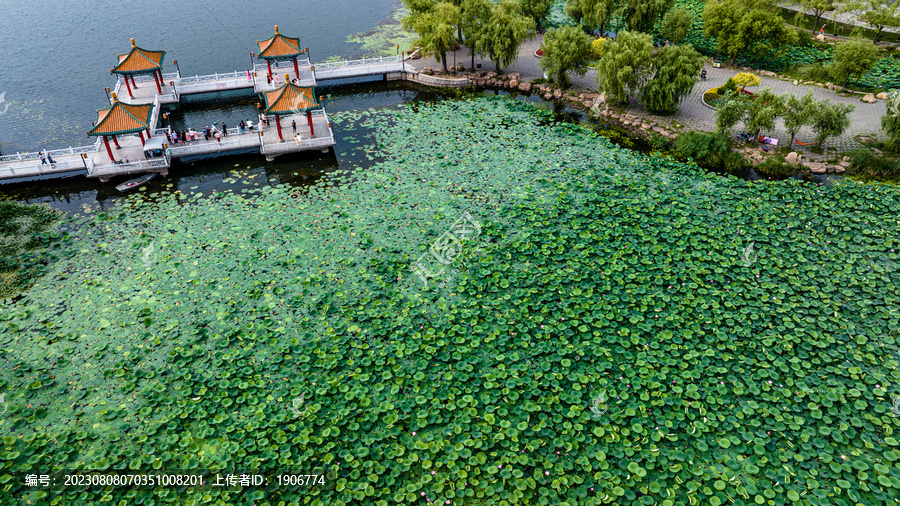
(617, 329)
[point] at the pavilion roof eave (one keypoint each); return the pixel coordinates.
(128, 115)
(290, 105)
(139, 61)
(279, 47)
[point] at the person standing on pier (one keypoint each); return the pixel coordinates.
(241, 126)
(250, 125)
(43, 160)
(224, 129)
(50, 158)
(294, 125)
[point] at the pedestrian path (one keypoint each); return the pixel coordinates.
(850, 17)
(693, 114)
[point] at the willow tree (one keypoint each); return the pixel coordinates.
(566, 49)
(538, 10)
(594, 13)
(504, 35)
(798, 112)
(879, 14)
(476, 18)
(675, 71)
(437, 29)
(641, 15)
(624, 65)
(831, 120)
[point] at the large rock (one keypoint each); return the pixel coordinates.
(882, 96)
(817, 167)
(869, 98)
(820, 37)
(427, 70)
(645, 126)
(525, 87)
(548, 96)
(792, 158)
(514, 83)
(491, 75)
(557, 93)
(515, 75)
(460, 67)
(796, 82)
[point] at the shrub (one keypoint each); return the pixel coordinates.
(596, 46)
(865, 161)
(708, 150)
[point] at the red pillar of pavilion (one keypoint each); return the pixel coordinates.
(116, 142)
(108, 149)
(132, 82)
(156, 78)
(148, 134)
(296, 69)
(269, 64)
(278, 123)
(141, 135)
(312, 131)
(129, 87)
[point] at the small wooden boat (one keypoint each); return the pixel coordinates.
(134, 183)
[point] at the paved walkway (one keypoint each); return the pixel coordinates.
(693, 114)
(850, 18)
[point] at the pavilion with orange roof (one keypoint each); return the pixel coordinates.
(121, 119)
(140, 62)
(291, 99)
(278, 48)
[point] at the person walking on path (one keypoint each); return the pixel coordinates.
(50, 158)
(294, 125)
(250, 125)
(219, 136)
(43, 160)
(822, 31)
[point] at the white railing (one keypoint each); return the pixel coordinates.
(154, 114)
(356, 63)
(38, 169)
(56, 152)
(214, 82)
(207, 147)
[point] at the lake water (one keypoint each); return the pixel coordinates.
(57, 55)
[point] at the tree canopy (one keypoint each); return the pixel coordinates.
(436, 24)
(852, 59)
(594, 13)
(538, 10)
(474, 22)
(566, 49)
(818, 7)
(831, 119)
(675, 71)
(624, 65)
(676, 25)
(890, 122)
(798, 112)
(641, 15)
(738, 26)
(507, 30)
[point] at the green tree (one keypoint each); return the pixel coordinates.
(675, 71)
(830, 119)
(852, 59)
(676, 25)
(436, 26)
(476, 18)
(761, 111)
(624, 65)
(505, 33)
(641, 15)
(818, 7)
(566, 49)
(798, 113)
(879, 14)
(745, 79)
(739, 26)
(538, 10)
(730, 112)
(594, 13)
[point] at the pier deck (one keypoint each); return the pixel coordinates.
(96, 163)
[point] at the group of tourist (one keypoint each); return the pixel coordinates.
(212, 132)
